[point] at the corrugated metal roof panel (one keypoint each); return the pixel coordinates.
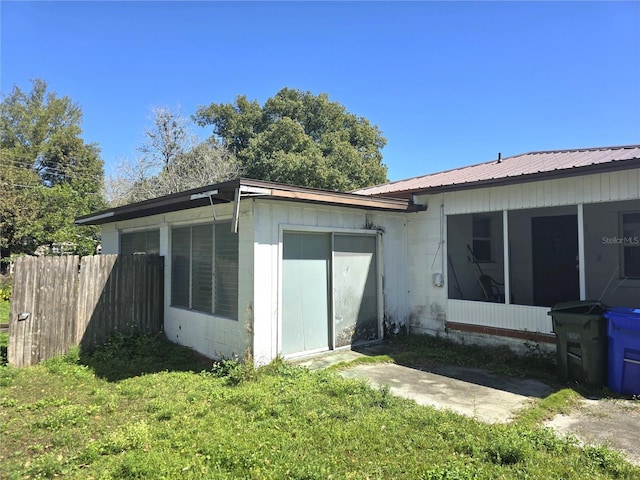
(510, 167)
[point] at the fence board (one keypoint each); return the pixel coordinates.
(73, 301)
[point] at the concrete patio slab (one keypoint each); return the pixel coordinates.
(469, 391)
(614, 423)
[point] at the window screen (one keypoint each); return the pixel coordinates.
(140, 242)
(631, 245)
(481, 238)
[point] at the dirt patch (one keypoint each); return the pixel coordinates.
(614, 423)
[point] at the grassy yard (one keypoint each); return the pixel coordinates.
(144, 408)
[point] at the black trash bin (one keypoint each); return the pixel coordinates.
(581, 341)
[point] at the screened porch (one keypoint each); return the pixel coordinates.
(525, 261)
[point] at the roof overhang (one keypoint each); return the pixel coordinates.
(226, 193)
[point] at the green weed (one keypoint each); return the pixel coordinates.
(4, 343)
(562, 401)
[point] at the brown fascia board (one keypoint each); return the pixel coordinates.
(614, 166)
(226, 191)
(154, 206)
(341, 199)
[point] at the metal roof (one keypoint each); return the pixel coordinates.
(519, 168)
(226, 192)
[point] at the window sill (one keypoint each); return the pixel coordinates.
(208, 314)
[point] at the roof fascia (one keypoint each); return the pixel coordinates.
(225, 193)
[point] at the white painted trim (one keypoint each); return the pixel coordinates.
(332, 303)
(198, 221)
(143, 228)
(196, 196)
(445, 252)
(255, 190)
(279, 291)
(340, 230)
(380, 269)
(306, 353)
(96, 217)
(236, 211)
(582, 275)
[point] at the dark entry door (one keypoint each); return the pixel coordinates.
(555, 259)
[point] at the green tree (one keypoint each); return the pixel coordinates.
(299, 138)
(48, 174)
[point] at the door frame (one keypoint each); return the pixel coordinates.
(332, 231)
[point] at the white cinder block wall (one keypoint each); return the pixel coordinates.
(426, 232)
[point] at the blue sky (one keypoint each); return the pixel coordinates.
(448, 83)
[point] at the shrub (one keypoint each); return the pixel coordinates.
(233, 371)
(5, 288)
(5, 293)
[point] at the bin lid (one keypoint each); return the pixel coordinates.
(585, 307)
(622, 312)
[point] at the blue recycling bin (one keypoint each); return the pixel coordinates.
(623, 330)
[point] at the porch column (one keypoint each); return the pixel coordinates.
(581, 262)
(505, 241)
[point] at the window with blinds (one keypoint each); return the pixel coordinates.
(226, 271)
(204, 269)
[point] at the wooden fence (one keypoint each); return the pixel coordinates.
(58, 302)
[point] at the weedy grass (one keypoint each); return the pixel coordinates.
(4, 311)
(121, 413)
